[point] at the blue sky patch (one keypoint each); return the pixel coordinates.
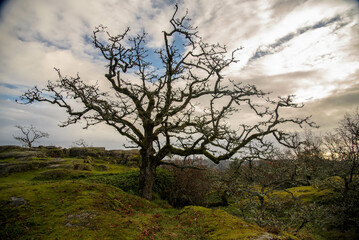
(8, 97)
(10, 86)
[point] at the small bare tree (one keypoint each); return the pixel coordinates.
(30, 135)
(80, 143)
(157, 108)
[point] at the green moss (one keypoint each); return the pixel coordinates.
(114, 168)
(83, 166)
(60, 174)
(334, 183)
(80, 208)
(71, 210)
(305, 193)
(6, 160)
(18, 177)
(101, 167)
(218, 224)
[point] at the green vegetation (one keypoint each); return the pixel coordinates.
(88, 198)
(128, 181)
(218, 224)
(60, 200)
(72, 210)
(297, 194)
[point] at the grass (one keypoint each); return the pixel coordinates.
(72, 210)
(5, 160)
(306, 194)
(218, 224)
(64, 203)
(82, 210)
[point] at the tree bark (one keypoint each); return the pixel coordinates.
(147, 177)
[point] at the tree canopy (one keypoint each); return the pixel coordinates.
(181, 108)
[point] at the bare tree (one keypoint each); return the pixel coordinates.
(80, 143)
(30, 135)
(159, 111)
(308, 159)
(343, 146)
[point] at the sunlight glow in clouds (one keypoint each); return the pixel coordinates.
(309, 48)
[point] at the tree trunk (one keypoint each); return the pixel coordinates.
(147, 177)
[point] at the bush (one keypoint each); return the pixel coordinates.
(129, 182)
(191, 186)
(164, 183)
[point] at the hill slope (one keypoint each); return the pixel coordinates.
(52, 198)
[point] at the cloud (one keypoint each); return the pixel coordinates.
(279, 44)
(327, 112)
(324, 49)
(305, 47)
(47, 119)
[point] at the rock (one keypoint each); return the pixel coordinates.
(18, 201)
(124, 157)
(102, 167)
(52, 151)
(6, 148)
(266, 236)
(7, 168)
(57, 160)
(21, 154)
(55, 166)
(88, 159)
(68, 224)
(83, 219)
(83, 166)
(59, 163)
(95, 152)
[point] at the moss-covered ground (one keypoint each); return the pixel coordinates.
(68, 199)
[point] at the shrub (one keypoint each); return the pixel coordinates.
(191, 186)
(164, 183)
(128, 181)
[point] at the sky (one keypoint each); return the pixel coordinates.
(309, 48)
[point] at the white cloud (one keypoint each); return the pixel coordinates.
(309, 48)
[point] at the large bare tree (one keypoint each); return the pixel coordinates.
(181, 108)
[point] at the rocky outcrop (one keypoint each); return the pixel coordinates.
(25, 164)
(7, 168)
(19, 152)
(83, 219)
(95, 152)
(31, 158)
(18, 201)
(125, 157)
